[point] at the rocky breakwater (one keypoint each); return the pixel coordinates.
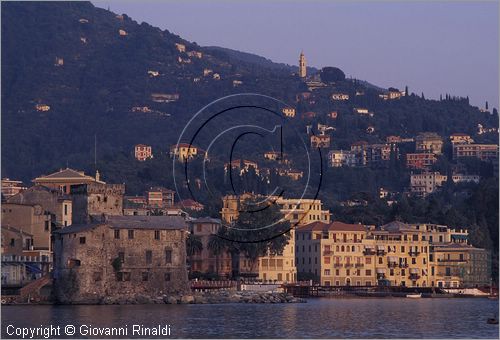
(231, 296)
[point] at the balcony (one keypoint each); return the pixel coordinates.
(414, 253)
(349, 265)
(381, 252)
(337, 265)
(403, 265)
(359, 265)
(392, 265)
(414, 276)
(368, 252)
(327, 252)
(451, 261)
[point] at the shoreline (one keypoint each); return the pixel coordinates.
(227, 297)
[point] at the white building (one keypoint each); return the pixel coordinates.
(340, 96)
(426, 183)
(461, 178)
(339, 158)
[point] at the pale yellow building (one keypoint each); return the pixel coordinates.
(334, 254)
(429, 142)
(183, 151)
(289, 112)
(298, 212)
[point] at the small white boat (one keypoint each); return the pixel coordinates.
(414, 296)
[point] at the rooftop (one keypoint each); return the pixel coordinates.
(131, 222)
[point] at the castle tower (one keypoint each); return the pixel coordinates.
(302, 65)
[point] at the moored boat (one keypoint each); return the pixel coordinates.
(414, 296)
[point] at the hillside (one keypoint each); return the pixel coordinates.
(96, 71)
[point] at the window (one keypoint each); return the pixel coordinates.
(121, 256)
(157, 234)
(145, 276)
(413, 260)
(448, 271)
(337, 272)
(368, 272)
(12, 242)
(123, 276)
(97, 276)
(82, 240)
(130, 234)
(65, 209)
(74, 263)
(402, 249)
(117, 234)
(327, 260)
(168, 256)
(149, 256)
(368, 260)
(380, 260)
(327, 272)
(167, 276)
(47, 225)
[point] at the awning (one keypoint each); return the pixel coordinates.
(414, 270)
(392, 259)
(369, 246)
(380, 270)
(381, 247)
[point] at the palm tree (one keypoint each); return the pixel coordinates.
(217, 246)
(193, 246)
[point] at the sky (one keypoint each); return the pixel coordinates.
(433, 47)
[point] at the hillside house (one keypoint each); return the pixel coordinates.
(164, 97)
(288, 112)
(420, 160)
(143, 152)
(426, 183)
(183, 151)
(340, 158)
(180, 47)
(195, 54)
(321, 141)
(42, 107)
(429, 142)
(461, 138)
(340, 96)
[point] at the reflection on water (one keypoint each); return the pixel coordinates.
(319, 318)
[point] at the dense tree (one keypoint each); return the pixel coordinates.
(259, 230)
(332, 74)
